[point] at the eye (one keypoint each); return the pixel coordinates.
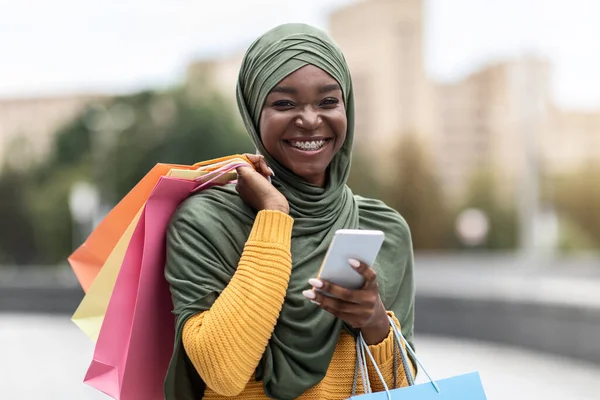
(283, 104)
(330, 101)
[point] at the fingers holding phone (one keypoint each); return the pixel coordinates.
(357, 307)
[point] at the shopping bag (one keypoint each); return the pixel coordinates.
(87, 260)
(136, 339)
(90, 312)
(460, 387)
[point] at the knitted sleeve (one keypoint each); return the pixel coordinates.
(226, 343)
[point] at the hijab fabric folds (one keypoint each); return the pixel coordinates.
(304, 340)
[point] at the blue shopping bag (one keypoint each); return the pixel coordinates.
(460, 387)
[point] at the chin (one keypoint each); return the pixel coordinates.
(310, 175)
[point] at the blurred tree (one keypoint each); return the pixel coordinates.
(577, 197)
(19, 154)
(49, 207)
(502, 218)
(189, 131)
(17, 241)
(363, 179)
(113, 144)
(574, 239)
(416, 194)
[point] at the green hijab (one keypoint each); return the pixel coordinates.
(207, 234)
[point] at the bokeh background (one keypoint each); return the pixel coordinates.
(479, 121)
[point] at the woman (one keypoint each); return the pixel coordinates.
(241, 260)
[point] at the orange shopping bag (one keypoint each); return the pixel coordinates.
(88, 259)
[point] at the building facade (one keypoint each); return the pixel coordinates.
(382, 41)
(28, 125)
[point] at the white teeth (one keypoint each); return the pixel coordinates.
(314, 145)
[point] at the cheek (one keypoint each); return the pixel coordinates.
(263, 125)
(340, 125)
(269, 128)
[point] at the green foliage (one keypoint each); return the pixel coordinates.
(17, 242)
(71, 144)
(573, 239)
(194, 132)
(363, 180)
(113, 145)
(48, 205)
(416, 194)
(577, 198)
(502, 216)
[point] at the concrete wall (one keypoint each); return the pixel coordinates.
(551, 306)
(561, 330)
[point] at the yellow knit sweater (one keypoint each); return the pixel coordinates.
(226, 357)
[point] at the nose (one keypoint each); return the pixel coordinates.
(309, 119)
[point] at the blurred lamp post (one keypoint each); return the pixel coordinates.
(547, 231)
(532, 99)
(84, 201)
(472, 226)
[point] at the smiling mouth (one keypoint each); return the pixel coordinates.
(308, 145)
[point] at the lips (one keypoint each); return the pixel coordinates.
(308, 145)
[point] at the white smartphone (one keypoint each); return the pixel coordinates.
(362, 245)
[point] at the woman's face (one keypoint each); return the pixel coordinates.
(303, 122)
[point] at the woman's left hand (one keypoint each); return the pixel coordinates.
(361, 308)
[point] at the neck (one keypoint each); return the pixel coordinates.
(318, 180)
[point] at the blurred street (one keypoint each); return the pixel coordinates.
(45, 357)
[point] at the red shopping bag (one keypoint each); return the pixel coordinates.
(136, 339)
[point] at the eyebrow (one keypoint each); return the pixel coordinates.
(284, 89)
(329, 88)
(332, 87)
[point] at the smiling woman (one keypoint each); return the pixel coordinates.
(242, 260)
(303, 122)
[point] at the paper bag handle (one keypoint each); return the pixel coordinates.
(362, 347)
(216, 174)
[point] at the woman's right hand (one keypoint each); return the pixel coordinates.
(256, 190)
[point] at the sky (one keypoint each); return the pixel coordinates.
(72, 46)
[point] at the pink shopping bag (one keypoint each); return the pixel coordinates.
(136, 338)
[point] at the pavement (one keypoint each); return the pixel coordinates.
(45, 357)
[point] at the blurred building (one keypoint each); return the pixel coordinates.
(500, 119)
(382, 41)
(27, 125)
(494, 120)
(573, 140)
(216, 74)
